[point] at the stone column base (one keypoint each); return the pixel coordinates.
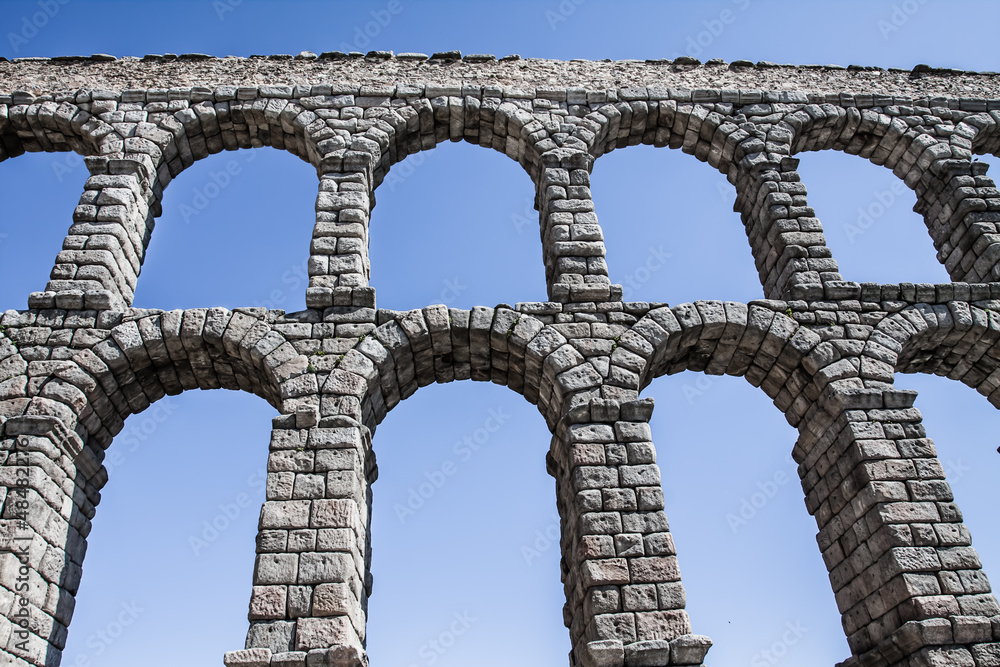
(336, 656)
(684, 650)
(959, 641)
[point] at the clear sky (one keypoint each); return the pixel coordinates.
(451, 230)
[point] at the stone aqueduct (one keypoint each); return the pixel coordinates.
(80, 360)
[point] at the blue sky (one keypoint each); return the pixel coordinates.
(481, 546)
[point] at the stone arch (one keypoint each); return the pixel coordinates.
(881, 135)
(172, 132)
(66, 405)
(650, 179)
(824, 389)
(48, 126)
(721, 338)
(100, 263)
(409, 125)
(573, 243)
(437, 344)
(954, 195)
(481, 175)
(204, 128)
(934, 164)
(273, 118)
(957, 340)
(44, 125)
(149, 355)
(755, 157)
(706, 130)
(354, 159)
(412, 349)
(387, 363)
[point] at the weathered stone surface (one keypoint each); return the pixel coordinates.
(313, 633)
(254, 657)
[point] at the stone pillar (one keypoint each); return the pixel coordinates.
(907, 580)
(572, 240)
(49, 484)
(101, 257)
(786, 238)
(338, 257)
(962, 212)
(624, 597)
(311, 580)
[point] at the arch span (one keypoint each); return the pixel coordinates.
(930, 149)
(47, 126)
(958, 340)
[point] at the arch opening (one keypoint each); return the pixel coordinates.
(463, 494)
(671, 259)
(961, 423)
(868, 220)
(32, 228)
(994, 164)
(475, 253)
(224, 238)
(153, 566)
(746, 548)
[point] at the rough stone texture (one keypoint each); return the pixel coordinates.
(80, 360)
(168, 71)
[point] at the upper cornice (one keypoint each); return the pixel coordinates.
(41, 76)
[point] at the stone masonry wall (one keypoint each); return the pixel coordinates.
(80, 359)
